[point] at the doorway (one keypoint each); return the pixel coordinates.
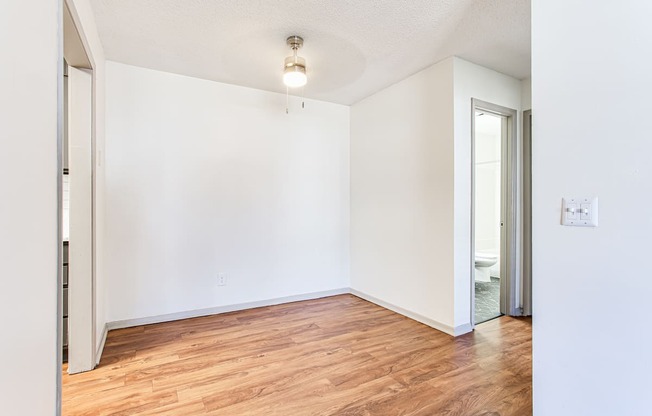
(493, 219)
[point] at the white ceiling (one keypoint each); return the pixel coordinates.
(353, 47)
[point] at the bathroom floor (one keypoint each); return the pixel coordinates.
(487, 300)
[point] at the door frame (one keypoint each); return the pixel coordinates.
(508, 251)
(527, 213)
(76, 51)
(81, 269)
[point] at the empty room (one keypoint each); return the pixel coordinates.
(324, 208)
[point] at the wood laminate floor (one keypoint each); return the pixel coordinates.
(334, 356)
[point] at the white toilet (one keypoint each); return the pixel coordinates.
(483, 263)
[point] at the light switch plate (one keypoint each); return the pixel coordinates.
(579, 212)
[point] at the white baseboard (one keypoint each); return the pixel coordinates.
(454, 331)
(100, 349)
(223, 309)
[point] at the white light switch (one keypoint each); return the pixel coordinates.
(585, 211)
(571, 211)
(579, 212)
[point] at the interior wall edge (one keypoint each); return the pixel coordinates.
(30, 114)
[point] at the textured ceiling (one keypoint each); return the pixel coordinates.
(353, 48)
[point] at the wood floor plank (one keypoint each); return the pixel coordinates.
(333, 356)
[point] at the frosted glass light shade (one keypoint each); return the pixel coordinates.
(294, 79)
(294, 75)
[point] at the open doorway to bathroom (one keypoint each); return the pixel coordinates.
(493, 219)
(488, 144)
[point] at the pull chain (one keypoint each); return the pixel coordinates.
(303, 101)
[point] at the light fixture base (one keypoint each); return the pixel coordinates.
(295, 42)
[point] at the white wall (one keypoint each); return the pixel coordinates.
(402, 195)
(590, 89)
(204, 178)
(29, 63)
(487, 183)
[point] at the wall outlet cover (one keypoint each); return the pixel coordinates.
(221, 279)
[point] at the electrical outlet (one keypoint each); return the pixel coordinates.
(221, 279)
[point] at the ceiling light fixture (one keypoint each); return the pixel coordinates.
(294, 74)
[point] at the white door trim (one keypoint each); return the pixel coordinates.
(81, 316)
(82, 125)
(526, 293)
